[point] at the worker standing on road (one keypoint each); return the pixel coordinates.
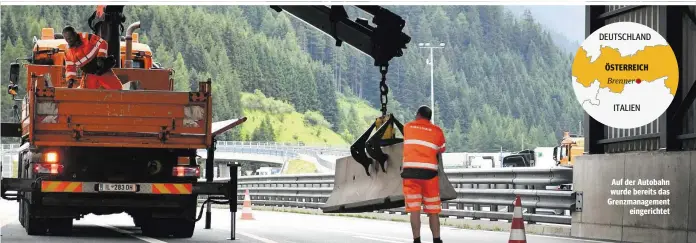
(88, 52)
(423, 141)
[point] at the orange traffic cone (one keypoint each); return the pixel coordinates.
(246, 207)
(517, 234)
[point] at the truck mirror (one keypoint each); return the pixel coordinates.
(14, 72)
(13, 89)
(555, 153)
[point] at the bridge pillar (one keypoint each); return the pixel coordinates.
(223, 170)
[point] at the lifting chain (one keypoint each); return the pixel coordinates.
(383, 89)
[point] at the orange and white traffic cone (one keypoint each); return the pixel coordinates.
(246, 207)
(517, 234)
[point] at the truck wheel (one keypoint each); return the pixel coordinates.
(138, 221)
(21, 213)
(153, 227)
(33, 226)
(61, 226)
(183, 228)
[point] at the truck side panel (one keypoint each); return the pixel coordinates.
(115, 118)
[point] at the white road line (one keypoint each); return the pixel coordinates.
(377, 239)
(256, 237)
(547, 236)
(571, 239)
(358, 234)
(122, 231)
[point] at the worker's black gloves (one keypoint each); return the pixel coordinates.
(104, 64)
(71, 82)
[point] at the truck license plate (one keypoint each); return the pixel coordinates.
(108, 187)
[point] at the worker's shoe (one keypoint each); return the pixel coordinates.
(437, 240)
(416, 240)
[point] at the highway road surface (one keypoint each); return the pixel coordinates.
(267, 227)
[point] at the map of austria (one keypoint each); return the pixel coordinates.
(625, 75)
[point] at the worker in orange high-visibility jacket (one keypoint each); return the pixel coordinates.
(88, 53)
(423, 141)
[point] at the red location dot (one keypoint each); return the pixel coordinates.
(638, 81)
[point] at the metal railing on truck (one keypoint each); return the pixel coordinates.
(477, 189)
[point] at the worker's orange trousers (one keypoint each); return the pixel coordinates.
(107, 80)
(424, 193)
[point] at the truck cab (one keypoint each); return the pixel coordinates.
(571, 146)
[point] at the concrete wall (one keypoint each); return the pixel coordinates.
(593, 176)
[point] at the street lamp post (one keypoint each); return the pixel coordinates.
(430, 62)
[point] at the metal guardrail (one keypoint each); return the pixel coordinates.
(494, 189)
(295, 147)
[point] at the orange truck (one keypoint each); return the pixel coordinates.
(109, 151)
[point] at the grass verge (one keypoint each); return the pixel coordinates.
(297, 166)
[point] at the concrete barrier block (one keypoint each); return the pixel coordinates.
(692, 198)
(651, 235)
(595, 231)
(593, 176)
(691, 237)
(648, 166)
(355, 191)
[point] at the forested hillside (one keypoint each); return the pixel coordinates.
(500, 82)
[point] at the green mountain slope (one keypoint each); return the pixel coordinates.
(500, 82)
(286, 124)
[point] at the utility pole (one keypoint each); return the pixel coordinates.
(430, 62)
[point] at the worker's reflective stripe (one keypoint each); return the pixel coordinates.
(413, 204)
(420, 165)
(414, 196)
(89, 55)
(69, 63)
(421, 142)
(432, 207)
(102, 51)
(431, 199)
(68, 74)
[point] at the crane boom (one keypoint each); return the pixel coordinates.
(383, 42)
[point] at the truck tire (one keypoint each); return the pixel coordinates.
(33, 226)
(60, 226)
(176, 227)
(153, 227)
(138, 221)
(20, 215)
(183, 228)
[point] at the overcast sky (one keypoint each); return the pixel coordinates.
(566, 20)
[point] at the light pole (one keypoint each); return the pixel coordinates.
(430, 62)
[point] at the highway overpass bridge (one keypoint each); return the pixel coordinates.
(273, 153)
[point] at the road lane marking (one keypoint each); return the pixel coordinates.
(546, 236)
(130, 233)
(256, 237)
(377, 239)
(355, 233)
